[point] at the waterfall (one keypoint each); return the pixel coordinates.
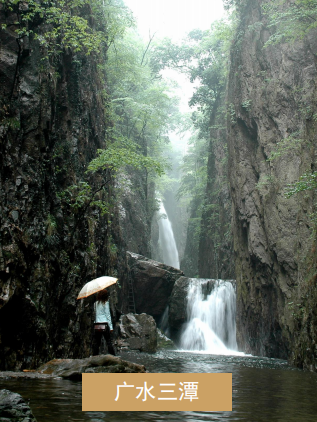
(163, 324)
(211, 323)
(167, 240)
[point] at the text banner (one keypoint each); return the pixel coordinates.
(157, 392)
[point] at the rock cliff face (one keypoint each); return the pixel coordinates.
(272, 97)
(136, 208)
(152, 284)
(216, 243)
(52, 123)
(177, 315)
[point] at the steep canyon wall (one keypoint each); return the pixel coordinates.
(53, 121)
(271, 98)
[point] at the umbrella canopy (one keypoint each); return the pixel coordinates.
(96, 285)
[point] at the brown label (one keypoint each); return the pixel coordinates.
(157, 392)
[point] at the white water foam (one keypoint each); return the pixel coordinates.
(211, 326)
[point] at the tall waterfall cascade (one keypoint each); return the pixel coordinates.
(211, 325)
(166, 239)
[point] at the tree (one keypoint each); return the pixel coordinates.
(203, 57)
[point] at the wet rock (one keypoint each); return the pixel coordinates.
(152, 282)
(51, 128)
(73, 368)
(163, 342)
(15, 215)
(133, 214)
(137, 332)
(32, 374)
(14, 408)
(273, 244)
(178, 304)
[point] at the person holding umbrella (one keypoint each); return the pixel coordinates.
(102, 324)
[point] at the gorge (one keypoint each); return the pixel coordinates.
(85, 120)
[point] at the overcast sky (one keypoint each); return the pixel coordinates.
(174, 18)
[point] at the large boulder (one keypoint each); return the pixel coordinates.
(73, 368)
(137, 332)
(14, 408)
(152, 284)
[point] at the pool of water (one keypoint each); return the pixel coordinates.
(263, 390)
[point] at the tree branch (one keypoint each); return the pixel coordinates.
(147, 47)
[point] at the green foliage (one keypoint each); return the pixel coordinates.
(113, 17)
(246, 104)
(307, 182)
(66, 24)
(122, 153)
(112, 246)
(228, 4)
(51, 225)
(139, 106)
(143, 107)
(51, 238)
(76, 195)
(194, 169)
(82, 195)
(232, 113)
(203, 56)
(63, 27)
(7, 121)
(291, 143)
(291, 21)
(265, 181)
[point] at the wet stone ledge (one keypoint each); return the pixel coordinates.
(74, 368)
(14, 408)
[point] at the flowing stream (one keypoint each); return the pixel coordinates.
(166, 239)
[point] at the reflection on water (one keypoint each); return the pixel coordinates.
(263, 390)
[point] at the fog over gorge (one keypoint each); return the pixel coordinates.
(161, 157)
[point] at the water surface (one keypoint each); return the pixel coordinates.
(263, 390)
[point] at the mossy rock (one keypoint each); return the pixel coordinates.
(164, 342)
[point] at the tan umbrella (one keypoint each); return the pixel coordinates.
(96, 285)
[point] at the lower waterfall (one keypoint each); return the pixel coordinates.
(211, 326)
